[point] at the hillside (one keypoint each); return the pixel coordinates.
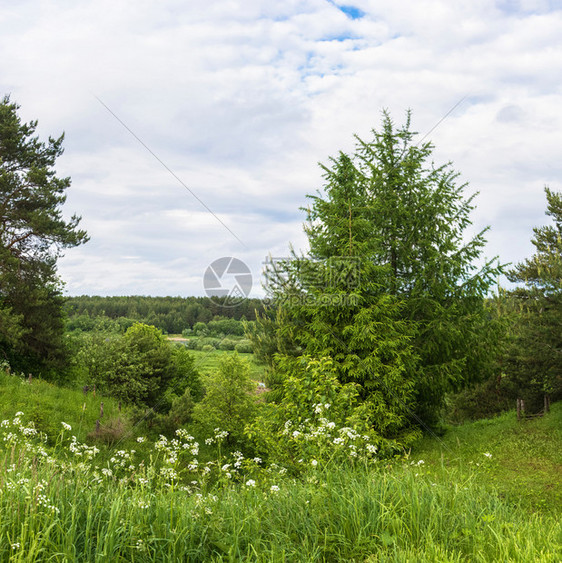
(525, 461)
(485, 491)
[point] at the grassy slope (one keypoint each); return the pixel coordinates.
(445, 509)
(48, 405)
(526, 462)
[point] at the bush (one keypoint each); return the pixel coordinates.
(208, 348)
(315, 416)
(138, 367)
(192, 344)
(227, 344)
(214, 342)
(244, 347)
(229, 402)
(180, 413)
(200, 329)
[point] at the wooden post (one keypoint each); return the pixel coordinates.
(30, 377)
(101, 409)
(97, 426)
(546, 403)
(94, 391)
(522, 408)
(518, 409)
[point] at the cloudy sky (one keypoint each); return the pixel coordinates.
(241, 99)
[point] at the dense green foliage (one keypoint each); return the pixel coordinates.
(534, 359)
(140, 367)
(390, 289)
(32, 235)
(230, 402)
(170, 314)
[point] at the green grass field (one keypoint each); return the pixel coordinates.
(485, 491)
(525, 461)
(209, 361)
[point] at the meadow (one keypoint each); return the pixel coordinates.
(206, 362)
(485, 491)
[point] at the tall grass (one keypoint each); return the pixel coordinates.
(61, 501)
(390, 513)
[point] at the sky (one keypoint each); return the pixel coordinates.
(193, 130)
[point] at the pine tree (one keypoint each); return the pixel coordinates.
(536, 354)
(33, 233)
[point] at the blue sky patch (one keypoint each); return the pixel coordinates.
(352, 12)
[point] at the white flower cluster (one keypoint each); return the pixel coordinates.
(44, 502)
(322, 439)
(219, 436)
(174, 463)
(82, 450)
(19, 433)
(320, 407)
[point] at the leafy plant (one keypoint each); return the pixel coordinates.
(229, 402)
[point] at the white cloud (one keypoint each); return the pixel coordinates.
(242, 99)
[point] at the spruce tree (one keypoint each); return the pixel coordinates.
(411, 323)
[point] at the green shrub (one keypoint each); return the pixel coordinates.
(227, 344)
(139, 366)
(208, 348)
(317, 418)
(192, 344)
(229, 402)
(244, 347)
(179, 414)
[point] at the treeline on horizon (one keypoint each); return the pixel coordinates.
(172, 315)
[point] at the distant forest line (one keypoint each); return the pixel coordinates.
(169, 314)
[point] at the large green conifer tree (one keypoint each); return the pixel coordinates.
(33, 233)
(411, 323)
